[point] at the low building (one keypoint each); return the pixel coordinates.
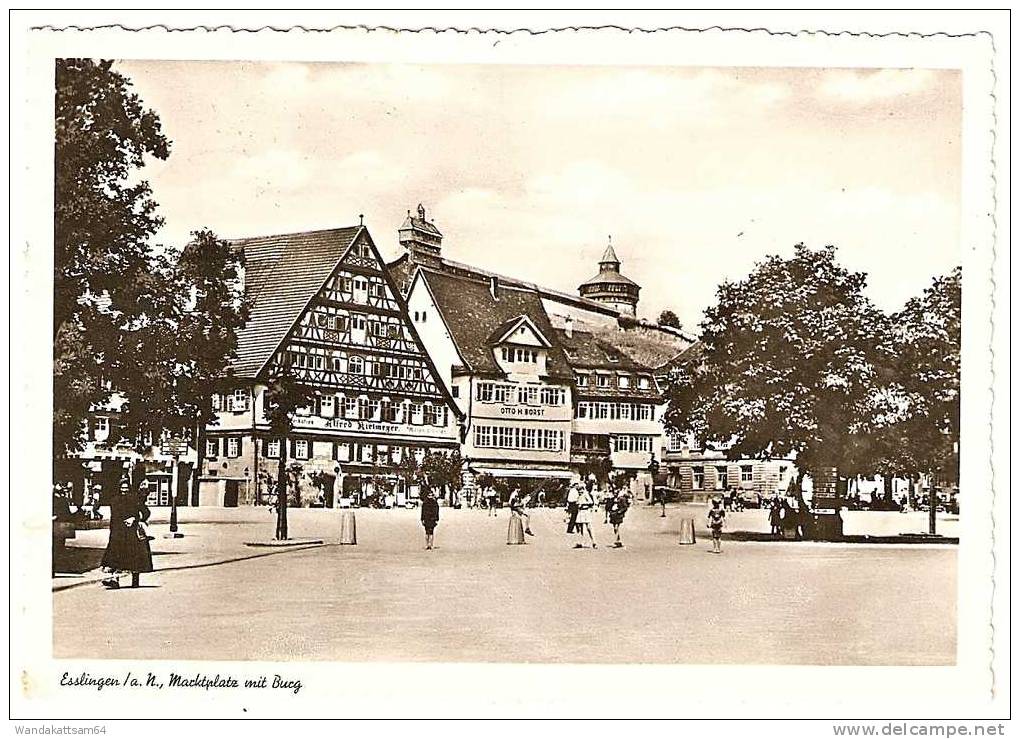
(323, 306)
(108, 454)
(704, 473)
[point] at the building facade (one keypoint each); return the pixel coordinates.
(324, 307)
(108, 454)
(704, 473)
(617, 409)
(495, 348)
(547, 381)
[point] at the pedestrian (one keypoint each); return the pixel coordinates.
(661, 492)
(619, 509)
(490, 499)
(776, 517)
(128, 547)
(519, 506)
(585, 504)
(716, 517)
(429, 516)
(607, 502)
(572, 496)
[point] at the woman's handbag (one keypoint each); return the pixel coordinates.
(142, 530)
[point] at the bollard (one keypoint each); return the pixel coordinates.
(515, 530)
(348, 527)
(687, 531)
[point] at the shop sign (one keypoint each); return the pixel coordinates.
(367, 427)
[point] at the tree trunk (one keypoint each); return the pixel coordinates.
(887, 487)
(281, 493)
(932, 503)
(199, 459)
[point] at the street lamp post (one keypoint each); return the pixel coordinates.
(173, 448)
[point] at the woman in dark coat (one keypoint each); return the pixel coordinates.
(776, 516)
(128, 548)
(429, 517)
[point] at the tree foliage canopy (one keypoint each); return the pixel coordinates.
(791, 361)
(107, 279)
(669, 318)
(921, 433)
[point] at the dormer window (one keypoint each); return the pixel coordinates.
(624, 381)
(602, 380)
(644, 383)
(582, 380)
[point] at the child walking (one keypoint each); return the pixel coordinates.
(716, 517)
(618, 510)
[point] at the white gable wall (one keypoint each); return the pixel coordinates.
(438, 343)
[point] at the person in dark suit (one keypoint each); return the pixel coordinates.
(128, 547)
(429, 516)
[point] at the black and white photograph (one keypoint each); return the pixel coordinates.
(387, 356)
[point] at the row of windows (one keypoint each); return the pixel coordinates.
(517, 354)
(722, 476)
(615, 411)
(632, 443)
(373, 409)
(229, 446)
(516, 437)
(353, 365)
(302, 449)
(337, 322)
(604, 380)
(239, 400)
(496, 392)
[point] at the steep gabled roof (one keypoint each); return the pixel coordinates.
(473, 315)
(282, 274)
(510, 326)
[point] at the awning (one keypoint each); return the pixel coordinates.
(518, 472)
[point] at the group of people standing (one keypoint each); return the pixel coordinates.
(581, 504)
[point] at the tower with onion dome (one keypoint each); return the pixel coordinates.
(611, 287)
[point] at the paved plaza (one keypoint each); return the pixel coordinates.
(476, 599)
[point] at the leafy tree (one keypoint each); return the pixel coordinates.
(102, 221)
(407, 469)
(921, 434)
(323, 482)
(669, 318)
(209, 281)
(443, 472)
(792, 362)
(283, 396)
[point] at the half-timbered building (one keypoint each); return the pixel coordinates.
(323, 305)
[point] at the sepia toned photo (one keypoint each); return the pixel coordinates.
(381, 361)
(572, 367)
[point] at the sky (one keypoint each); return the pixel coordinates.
(695, 173)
